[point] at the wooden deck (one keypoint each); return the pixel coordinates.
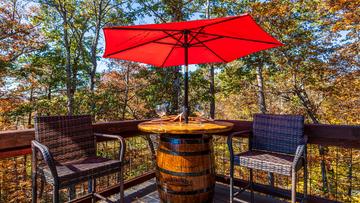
(146, 193)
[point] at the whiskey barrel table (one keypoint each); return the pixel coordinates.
(185, 160)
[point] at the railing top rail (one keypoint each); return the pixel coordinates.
(347, 136)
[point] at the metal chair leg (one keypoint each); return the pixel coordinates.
(251, 186)
(271, 179)
(42, 185)
(293, 186)
(56, 196)
(90, 185)
(231, 189)
(33, 175)
(305, 186)
(122, 195)
(34, 187)
(305, 176)
(71, 192)
(231, 182)
(93, 189)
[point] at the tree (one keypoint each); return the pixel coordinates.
(118, 92)
(18, 36)
(70, 34)
(102, 12)
(224, 8)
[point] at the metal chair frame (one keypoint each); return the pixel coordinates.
(42, 155)
(299, 161)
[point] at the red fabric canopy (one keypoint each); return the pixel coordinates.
(208, 41)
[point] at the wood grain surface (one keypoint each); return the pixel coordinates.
(193, 127)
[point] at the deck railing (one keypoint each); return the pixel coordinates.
(333, 156)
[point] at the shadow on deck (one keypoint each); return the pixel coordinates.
(147, 193)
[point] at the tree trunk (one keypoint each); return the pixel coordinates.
(31, 103)
(127, 75)
(260, 92)
(17, 123)
(69, 81)
(350, 176)
(94, 44)
(17, 183)
(177, 16)
(176, 90)
(49, 93)
(24, 173)
(305, 101)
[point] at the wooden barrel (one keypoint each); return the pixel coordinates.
(185, 168)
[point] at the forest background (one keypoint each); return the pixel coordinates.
(51, 64)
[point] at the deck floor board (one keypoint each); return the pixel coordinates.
(147, 193)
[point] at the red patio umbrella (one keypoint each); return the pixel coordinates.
(191, 42)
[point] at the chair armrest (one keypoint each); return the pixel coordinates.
(46, 155)
(240, 133)
(306, 138)
(121, 141)
(231, 150)
(229, 141)
(300, 152)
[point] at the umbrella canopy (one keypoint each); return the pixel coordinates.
(191, 42)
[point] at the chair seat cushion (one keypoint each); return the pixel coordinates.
(82, 169)
(266, 161)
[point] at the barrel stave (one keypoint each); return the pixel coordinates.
(186, 170)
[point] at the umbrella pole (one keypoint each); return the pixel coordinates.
(186, 97)
(186, 77)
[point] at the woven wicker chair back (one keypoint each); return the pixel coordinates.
(277, 133)
(67, 137)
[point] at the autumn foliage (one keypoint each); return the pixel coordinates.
(51, 64)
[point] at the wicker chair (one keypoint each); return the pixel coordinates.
(64, 153)
(277, 145)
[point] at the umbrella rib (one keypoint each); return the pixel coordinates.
(138, 45)
(240, 38)
(172, 36)
(212, 51)
(216, 38)
(166, 43)
(172, 49)
(192, 39)
(142, 29)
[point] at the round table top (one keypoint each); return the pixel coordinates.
(193, 127)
